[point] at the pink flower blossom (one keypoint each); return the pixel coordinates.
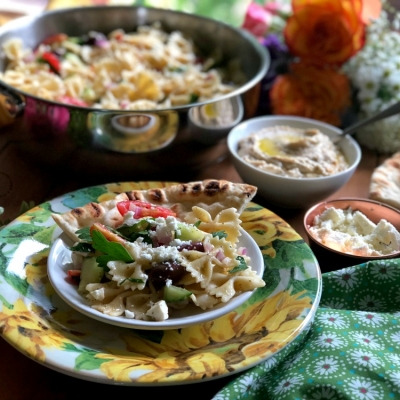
(257, 20)
(262, 19)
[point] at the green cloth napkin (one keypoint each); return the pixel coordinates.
(351, 350)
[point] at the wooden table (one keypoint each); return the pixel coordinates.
(21, 180)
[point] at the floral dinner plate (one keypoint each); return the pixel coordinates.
(38, 323)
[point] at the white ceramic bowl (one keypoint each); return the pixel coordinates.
(59, 262)
(290, 192)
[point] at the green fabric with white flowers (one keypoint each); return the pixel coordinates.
(351, 351)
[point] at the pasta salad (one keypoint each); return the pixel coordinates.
(154, 262)
(142, 70)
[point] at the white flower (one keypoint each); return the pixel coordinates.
(395, 375)
(384, 271)
(371, 303)
(365, 358)
(329, 340)
(244, 383)
(346, 277)
(395, 337)
(323, 393)
(333, 319)
(326, 366)
(370, 319)
(289, 384)
(374, 73)
(366, 339)
(368, 78)
(363, 389)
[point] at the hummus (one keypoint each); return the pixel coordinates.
(287, 151)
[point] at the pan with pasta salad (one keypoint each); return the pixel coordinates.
(137, 260)
(142, 70)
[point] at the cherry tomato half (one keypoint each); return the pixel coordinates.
(143, 209)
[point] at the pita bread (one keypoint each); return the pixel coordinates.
(385, 182)
(212, 195)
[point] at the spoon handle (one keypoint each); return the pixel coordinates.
(388, 112)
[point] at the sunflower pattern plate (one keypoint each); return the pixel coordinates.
(40, 325)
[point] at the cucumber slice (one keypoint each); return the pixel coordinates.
(174, 294)
(189, 232)
(90, 273)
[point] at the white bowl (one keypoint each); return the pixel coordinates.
(59, 262)
(291, 192)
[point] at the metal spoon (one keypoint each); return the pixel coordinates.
(352, 129)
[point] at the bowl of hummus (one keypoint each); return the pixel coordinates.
(293, 161)
(348, 231)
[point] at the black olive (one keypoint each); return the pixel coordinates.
(192, 246)
(159, 273)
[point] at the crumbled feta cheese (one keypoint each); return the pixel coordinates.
(129, 314)
(158, 311)
(354, 233)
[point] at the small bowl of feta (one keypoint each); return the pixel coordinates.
(349, 231)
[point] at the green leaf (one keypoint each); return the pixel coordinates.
(82, 248)
(272, 279)
(40, 215)
(133, 232)
(254, 208)
(193, 98)
(219, 234)
(15, 234)
(289, 254)
(241, 267)
(45, 236)
(84, 234)
(113, 249)
(88, 361)
(310, 285)
(19, 284)
(70, 347)
(103, 260)
(133, 280)
(84, 196)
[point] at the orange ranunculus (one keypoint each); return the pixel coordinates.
(325, 31)
(312, 92)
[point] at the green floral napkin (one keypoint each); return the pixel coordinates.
(351, 351)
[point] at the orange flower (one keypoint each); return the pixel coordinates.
(312, 92)
(325, 31)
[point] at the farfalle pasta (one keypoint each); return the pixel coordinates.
(142, 260)
(142, 70)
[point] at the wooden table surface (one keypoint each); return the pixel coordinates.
(22, 180)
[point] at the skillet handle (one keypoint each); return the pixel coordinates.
(11, 106)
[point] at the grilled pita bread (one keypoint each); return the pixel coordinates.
(212, 195)
(385, 182)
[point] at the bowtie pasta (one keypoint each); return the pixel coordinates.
(143, 70)
(149, 266)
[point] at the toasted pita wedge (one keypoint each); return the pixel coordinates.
(385, 182)
(212, 195)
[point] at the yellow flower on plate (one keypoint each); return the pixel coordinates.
(190, 353)
(28, 331)
(36, 271)
(264, 227)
